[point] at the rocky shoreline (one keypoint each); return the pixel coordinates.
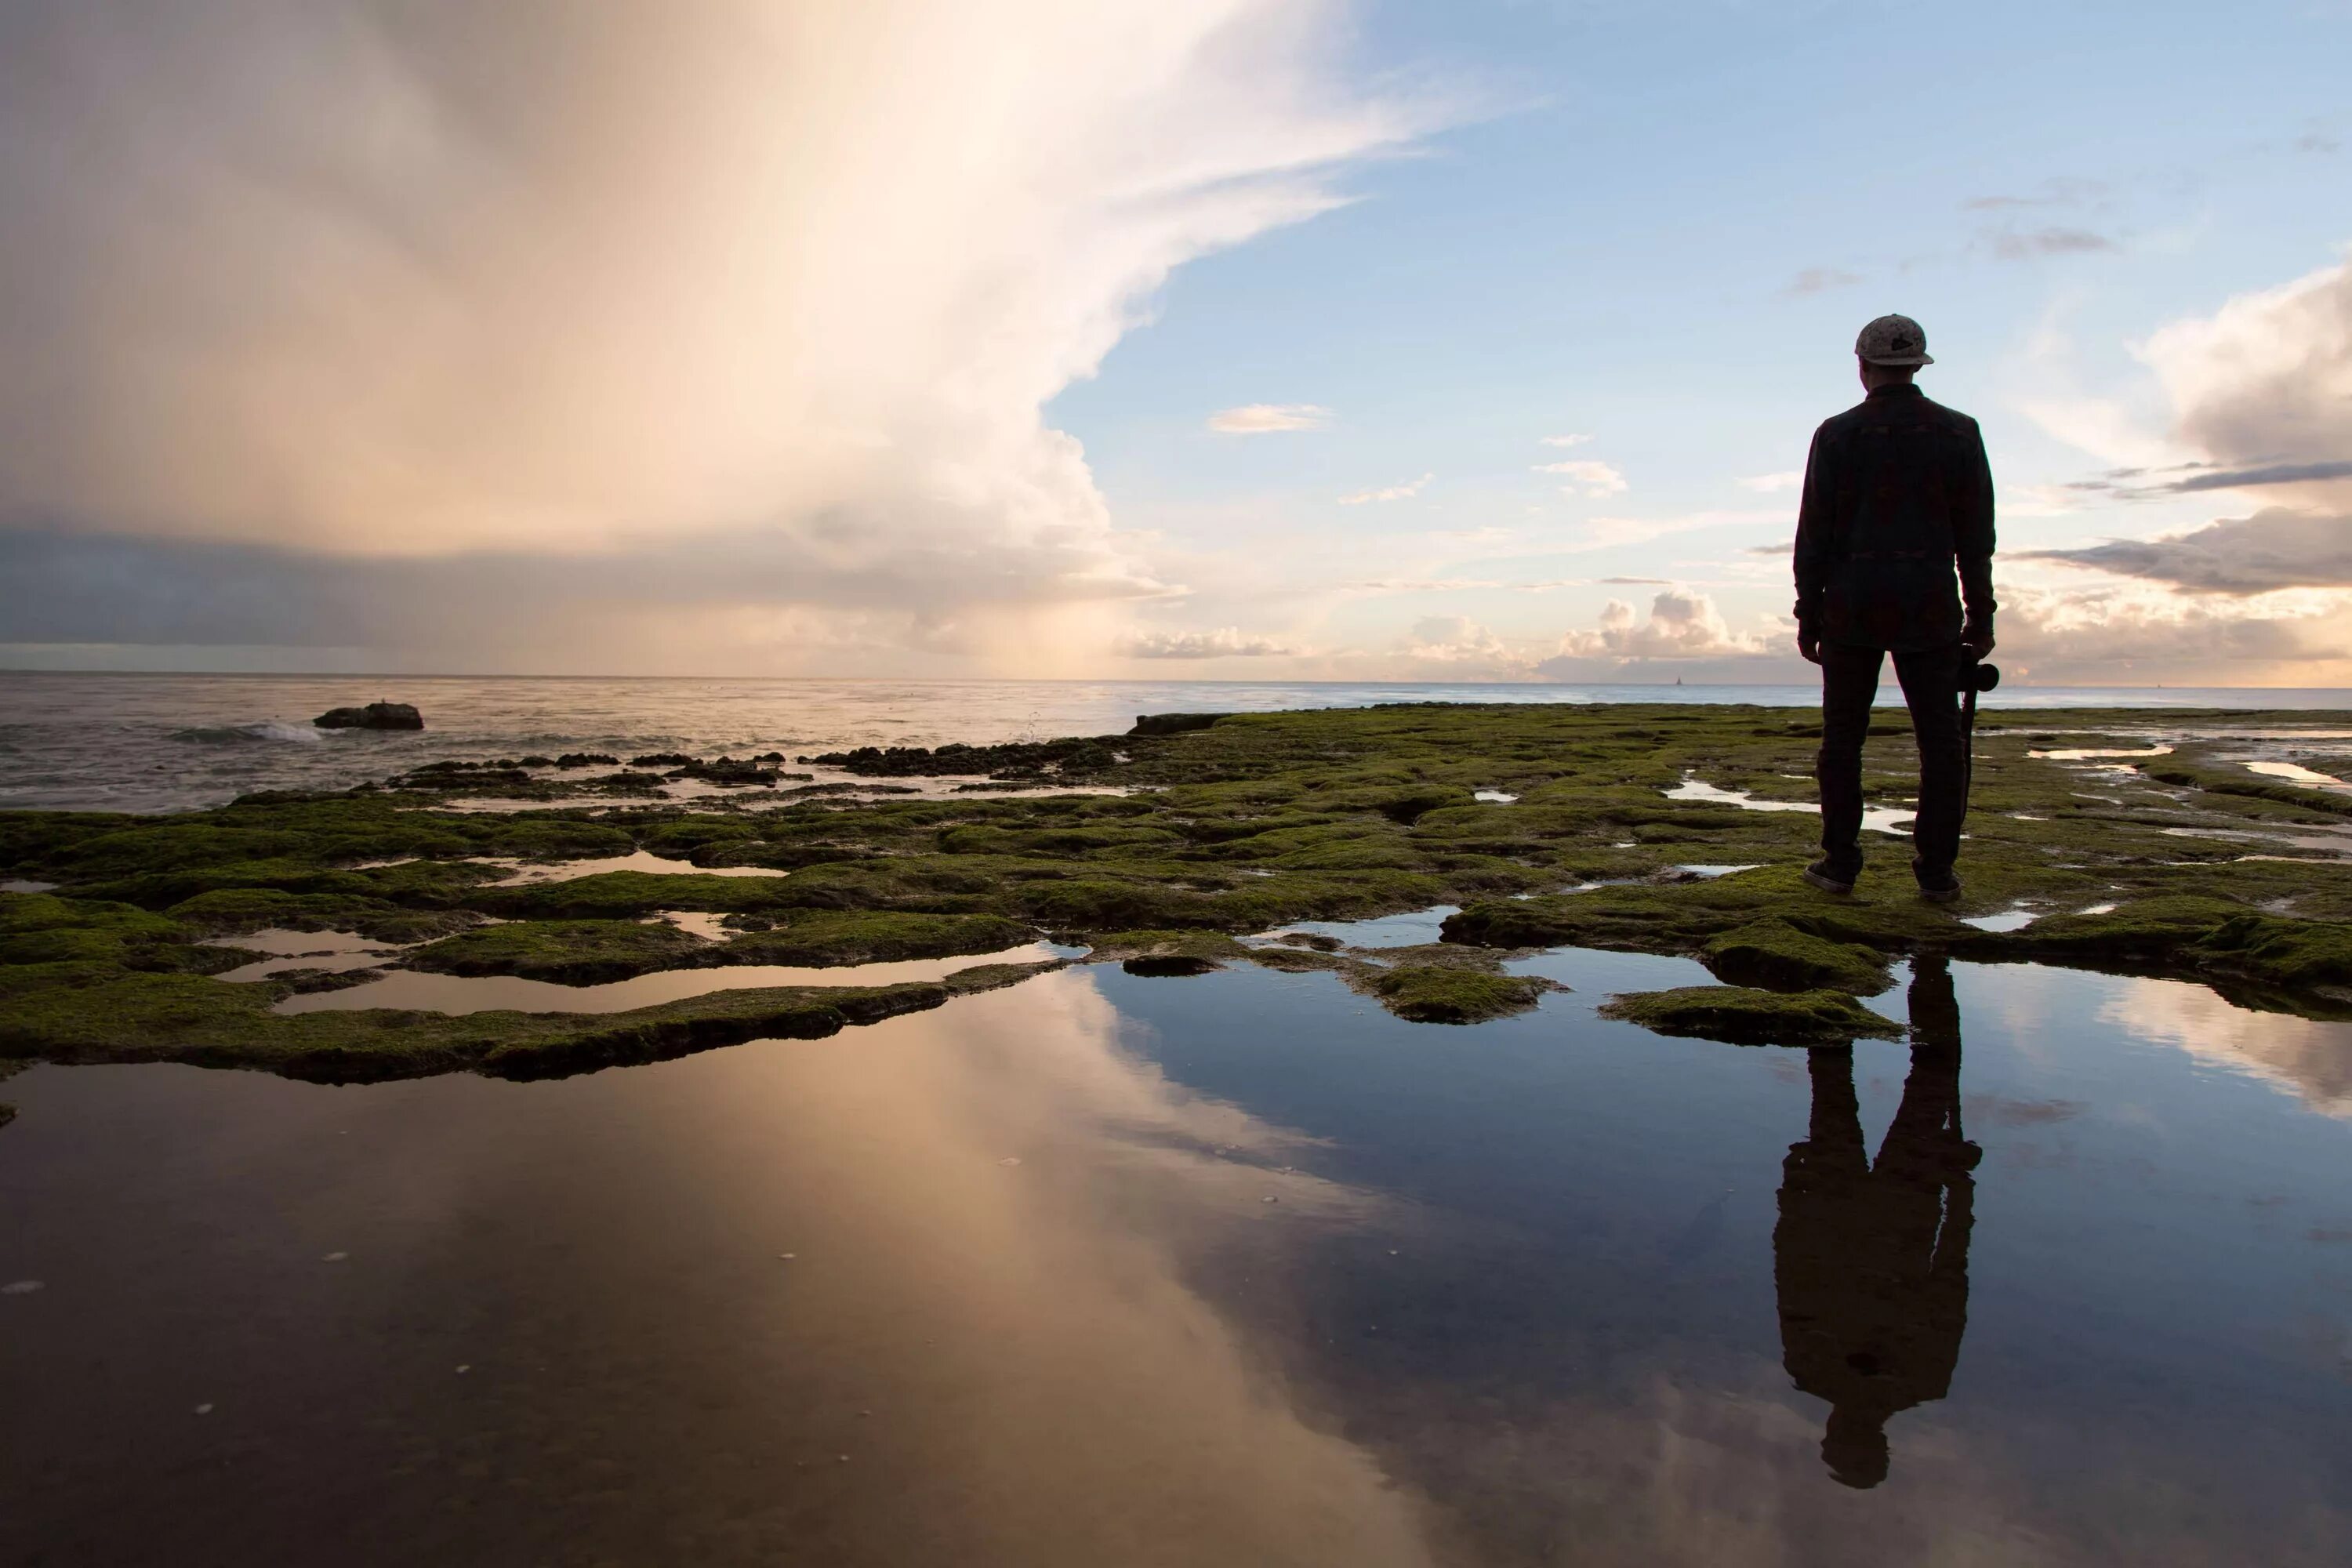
(1544, 826)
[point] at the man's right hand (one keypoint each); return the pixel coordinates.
(1810, 646)
(1976, 641)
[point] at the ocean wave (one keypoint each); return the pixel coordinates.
(265, 730)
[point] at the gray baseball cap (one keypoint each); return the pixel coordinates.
(1894, 340)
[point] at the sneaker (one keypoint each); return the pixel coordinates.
(1830, 877)
(1938, 886)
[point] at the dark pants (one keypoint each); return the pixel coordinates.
(1931, 678)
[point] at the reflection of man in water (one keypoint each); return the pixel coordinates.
(1872, 1261)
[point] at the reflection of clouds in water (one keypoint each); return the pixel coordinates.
(2311, 1057)
(1036, 1319)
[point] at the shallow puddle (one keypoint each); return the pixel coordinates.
(337, 951)
(421, 992)
(2092, 753)
(1875, 819)
(1104, 1269)
(528, 872)
(2296, 772)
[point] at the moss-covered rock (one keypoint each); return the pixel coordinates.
(569, 952)
(820, 937)
(1244, 826)
(1744, 1015)
(1450, 994)
(1775, 955)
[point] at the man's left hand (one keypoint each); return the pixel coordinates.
(1976, 641)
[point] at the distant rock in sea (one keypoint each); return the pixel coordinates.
(375, 716)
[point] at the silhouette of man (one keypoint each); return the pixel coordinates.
(1898, 493)
(1871, 1262)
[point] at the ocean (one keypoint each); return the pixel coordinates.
(173, 743)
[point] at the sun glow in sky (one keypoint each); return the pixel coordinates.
(1242, 339)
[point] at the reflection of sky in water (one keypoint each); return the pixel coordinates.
(523, 873)
(482, 992)
(1517, 1288)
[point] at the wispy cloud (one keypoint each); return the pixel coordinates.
(1225, 642)
(1391, 492)
(2060, 192)
(2270, 550)
(1819, 281)
(1576, 439)
(1593, 477)
(2012, 244)
(1773, 484)
(1264, 418)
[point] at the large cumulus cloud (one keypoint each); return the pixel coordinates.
(783, 281)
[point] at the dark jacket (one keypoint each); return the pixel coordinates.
(1897, 493)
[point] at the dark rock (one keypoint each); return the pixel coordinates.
(662, 760)
(587, 760)
(1020, 759)
(1173, 724)
(538, 762)
(375, 716)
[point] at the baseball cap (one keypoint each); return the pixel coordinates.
(1894, 340)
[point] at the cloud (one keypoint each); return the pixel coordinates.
(1393, 492)
(1602, 532)
(1226, 642)
(2264, 386)
(2054, 193)
(1262, 418)
(1772, 484)
(1819, 281)
(1681, 625)
(1636, 582)
(2249, 479)
(1595, 478)
(2130, 635)
(1461, 584)
(1457, 639)
(651, 283)
(2009, 244)
(2272, 549)
(1577, 439)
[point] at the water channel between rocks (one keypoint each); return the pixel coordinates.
(1234, 1268)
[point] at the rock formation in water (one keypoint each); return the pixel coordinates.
(375, 716)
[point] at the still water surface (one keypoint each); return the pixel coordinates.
(1235, 1269)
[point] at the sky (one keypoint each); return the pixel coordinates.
(1242, 339)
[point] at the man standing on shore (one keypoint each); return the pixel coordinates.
(1894, 538)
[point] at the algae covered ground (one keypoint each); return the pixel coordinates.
(1602, 827)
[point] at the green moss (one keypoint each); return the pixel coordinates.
(569, 952)
(1248, 825)
(1448, 993)
(2294, 955)
(1743, 1016)
(821, 937)
(1777, 956)
(623, 895)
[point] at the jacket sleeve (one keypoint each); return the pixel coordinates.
(1810, 556)
(1973, 532)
